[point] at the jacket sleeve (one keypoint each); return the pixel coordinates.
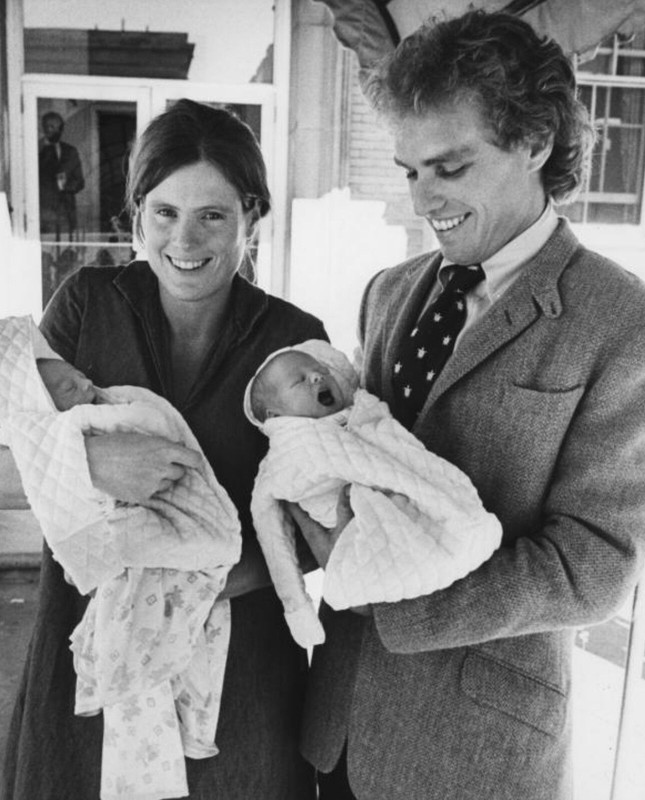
(580, 563)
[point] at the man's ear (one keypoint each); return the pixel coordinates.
(539, 151)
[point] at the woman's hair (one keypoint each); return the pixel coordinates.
(189, 132)
(523, 85)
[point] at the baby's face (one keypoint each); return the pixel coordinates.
(67, 386)
(302, 387)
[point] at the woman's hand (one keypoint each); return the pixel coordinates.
(320, 540)
(132, 467)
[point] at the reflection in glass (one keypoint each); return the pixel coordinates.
(60, 177)
(82, 173)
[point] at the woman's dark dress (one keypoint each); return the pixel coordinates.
(108, 322)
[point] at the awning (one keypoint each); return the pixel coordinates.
(373, 27)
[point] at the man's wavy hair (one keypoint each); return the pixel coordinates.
(523, 84)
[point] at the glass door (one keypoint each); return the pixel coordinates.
(77, 135)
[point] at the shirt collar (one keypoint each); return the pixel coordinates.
(504, 266)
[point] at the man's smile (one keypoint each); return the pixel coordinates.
(447, 224)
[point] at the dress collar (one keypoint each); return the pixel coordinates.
(139, 285)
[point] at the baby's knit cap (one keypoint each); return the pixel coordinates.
(336, 362)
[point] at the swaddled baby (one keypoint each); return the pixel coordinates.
(418, 521)
(150, 651)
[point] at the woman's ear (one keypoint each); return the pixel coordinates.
(252, 220)
(252, 225)
(137, 222)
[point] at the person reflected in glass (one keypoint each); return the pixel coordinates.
(60, 178)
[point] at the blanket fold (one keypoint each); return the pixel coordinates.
(419, 524)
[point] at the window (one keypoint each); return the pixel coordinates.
(612, 86)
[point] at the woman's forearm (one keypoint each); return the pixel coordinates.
(249, 574)
(11, 492)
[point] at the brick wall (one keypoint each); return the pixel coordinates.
(372, 172)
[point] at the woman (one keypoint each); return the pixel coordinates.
(186, 325)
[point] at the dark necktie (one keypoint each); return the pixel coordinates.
(427, 348)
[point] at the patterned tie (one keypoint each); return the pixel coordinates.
(426, 350)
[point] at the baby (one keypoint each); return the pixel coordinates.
(151, 647)
(418, 522)
(67, 386)
(293, 383)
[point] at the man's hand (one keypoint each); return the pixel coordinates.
(133, 467)
(320, 540)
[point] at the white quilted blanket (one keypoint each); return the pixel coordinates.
(154, 638)
(419, 524)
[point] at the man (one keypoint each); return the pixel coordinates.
(60, 177)
(466, 693)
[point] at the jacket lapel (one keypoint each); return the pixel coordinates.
(533, 294)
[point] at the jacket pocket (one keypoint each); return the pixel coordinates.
(499, 685)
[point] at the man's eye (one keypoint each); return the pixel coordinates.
(410, 174)
(445, 172)
(213, 216)
(165, 212)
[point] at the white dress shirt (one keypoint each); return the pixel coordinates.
(501, 269)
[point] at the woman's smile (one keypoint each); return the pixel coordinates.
(186, 265)
(195, 231)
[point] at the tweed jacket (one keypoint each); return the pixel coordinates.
(466, 693)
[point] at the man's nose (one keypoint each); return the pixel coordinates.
(426, 196)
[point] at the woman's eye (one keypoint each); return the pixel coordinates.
(213, 216)
(410, 174)
(165, 212)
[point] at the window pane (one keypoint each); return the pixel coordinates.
(614, 193)
(600, 661)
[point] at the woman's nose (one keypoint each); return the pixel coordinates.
(186, 232)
